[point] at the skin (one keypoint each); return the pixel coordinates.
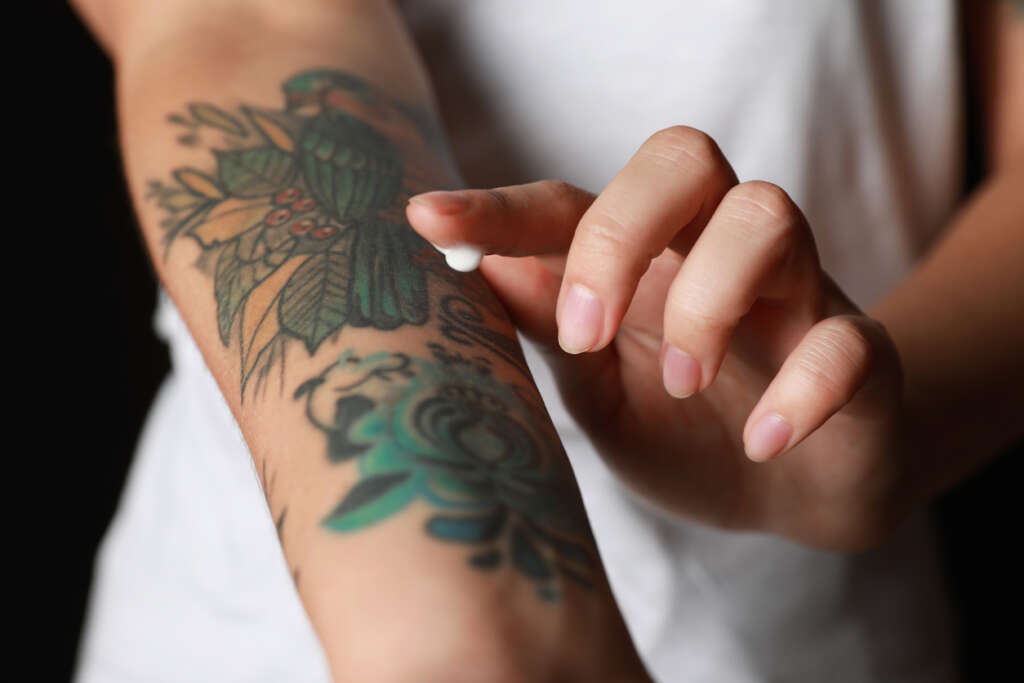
(687, 318)
(773, 298)
(420, 493)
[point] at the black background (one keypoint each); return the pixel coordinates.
(105, 365)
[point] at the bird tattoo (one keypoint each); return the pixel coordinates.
(304, 214)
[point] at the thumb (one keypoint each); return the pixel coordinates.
(519, 220)
(589, 383)
(526, 231)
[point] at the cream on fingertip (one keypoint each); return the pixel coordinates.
(462, 257)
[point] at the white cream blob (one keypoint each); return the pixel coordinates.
(462, 257)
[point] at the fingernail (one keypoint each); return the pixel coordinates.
(768, 437)
(579, 325)
(680, 373)
(445, 203)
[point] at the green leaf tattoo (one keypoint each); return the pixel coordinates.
(212, 116)
(314, 302)
(256, 172)
(301, 213)
(443, 430)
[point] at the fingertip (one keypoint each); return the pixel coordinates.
(419, 215)
(680, 372)
(440, 229)
(442, 202)
(580, 320)
(768, 437)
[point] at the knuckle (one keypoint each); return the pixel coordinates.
(765, 207)
(605, 239)
(500, 199)
(769, 197)
(695, 313)
(568, 199)
(558, 189)
(681, 145)
(835, 363)
(847, 338)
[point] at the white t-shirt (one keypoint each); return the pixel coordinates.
(851, 107)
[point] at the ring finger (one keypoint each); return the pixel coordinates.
(756, 245)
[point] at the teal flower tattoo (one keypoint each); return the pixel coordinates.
(445, 431)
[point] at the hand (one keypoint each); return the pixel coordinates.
(716, 367)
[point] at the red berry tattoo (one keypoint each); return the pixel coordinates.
(301, 227)
(277, 217)
(324, 232)
(287, 196)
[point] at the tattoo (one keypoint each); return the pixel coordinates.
(300, 221)
(301, 218)
(480, 452)
(462, 323)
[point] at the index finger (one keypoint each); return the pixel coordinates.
(520, 220)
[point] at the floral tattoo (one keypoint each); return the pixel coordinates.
(480, 452)
(300, 221)
(302, 215)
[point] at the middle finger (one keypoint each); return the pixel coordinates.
(670, 187)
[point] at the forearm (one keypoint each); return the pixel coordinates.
(958, 324)
(423, 501)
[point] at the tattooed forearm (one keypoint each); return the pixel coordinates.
(301, 216)
(273, 200)
(300, 221)
(480, 452)
(463, 323)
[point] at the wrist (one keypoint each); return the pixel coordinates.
(422, 615)
(493, 651)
